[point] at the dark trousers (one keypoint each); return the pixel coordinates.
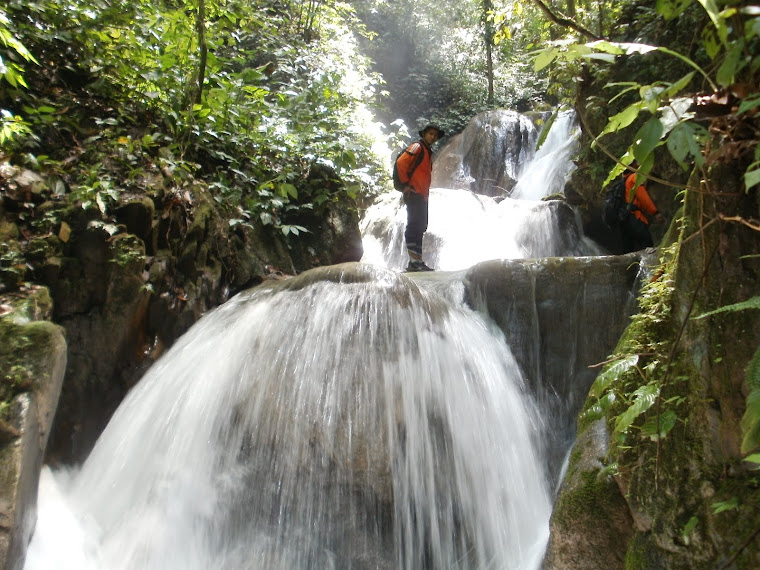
(416, 223)
(636, 235)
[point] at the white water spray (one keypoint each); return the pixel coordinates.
(342, 419)
(467, 228)
(547, 172)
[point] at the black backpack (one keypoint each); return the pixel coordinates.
(615, 210)
(396, 180)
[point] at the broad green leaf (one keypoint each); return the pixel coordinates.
(751, 178)
(675, 88)
(623, 119)
(720, 24)
(683, 141)
(544, 58)
(647, 139)
(619, 48)
(732, 64)
(754, 458)
(710, 42)
(650, 96)
(288, 189)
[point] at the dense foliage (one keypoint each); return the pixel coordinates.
(246, 97)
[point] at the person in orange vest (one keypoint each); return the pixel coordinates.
(415, 172)
(635, 229)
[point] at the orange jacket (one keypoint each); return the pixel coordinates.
(641, 199)
(420, 180)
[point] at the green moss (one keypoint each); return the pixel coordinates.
(25, 343)
(128, 252)
(636, 557)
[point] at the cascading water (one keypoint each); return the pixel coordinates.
(547, 172)
(351, 417)
(467, 227)
(345, 418)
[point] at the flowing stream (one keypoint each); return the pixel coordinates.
(467, 227)
(351, 421)
(351, 417)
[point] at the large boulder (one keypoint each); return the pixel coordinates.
(560, 316)
(33, 360)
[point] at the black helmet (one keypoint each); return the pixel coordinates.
(441, 133)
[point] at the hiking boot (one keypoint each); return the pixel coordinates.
(417, 266)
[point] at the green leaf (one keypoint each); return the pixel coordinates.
(683, 141)
(623, 119)
(286, 189)
(732, 64)
(688, 529)
(675, 88)
(670, 9)
(710, 42)
(619, 48)
(753, 458)
(751, 177)
(753, 371)
(749, 103)
(612, 373)
(750, 422)
(722, 506)
(752, 303)
(644, 397)
(720, 24)
(544, 58)
(647, 139)
(653, 431)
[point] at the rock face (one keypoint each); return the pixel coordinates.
(33, 360)
(560, 316)
(126, 289)
(485, 158)
(596, 522)
(689, 498)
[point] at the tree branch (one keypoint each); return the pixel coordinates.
(565, 22)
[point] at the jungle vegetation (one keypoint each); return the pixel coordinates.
(250, 97)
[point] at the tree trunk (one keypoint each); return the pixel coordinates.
(200, 25)
(488, 38)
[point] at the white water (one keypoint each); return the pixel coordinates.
(327, 425)
(466, 228)
(366, 424)
(551, 164)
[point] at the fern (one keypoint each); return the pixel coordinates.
(644, 397)
(753, 303)
(612, 373)
(750, 423)
(658, 427)
(753, 371)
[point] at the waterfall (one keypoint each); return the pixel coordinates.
(547, 171)
(467, 227)
(350, 417)
(346, 418)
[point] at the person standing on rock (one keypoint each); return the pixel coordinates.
(635, 229)
(415, 170)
